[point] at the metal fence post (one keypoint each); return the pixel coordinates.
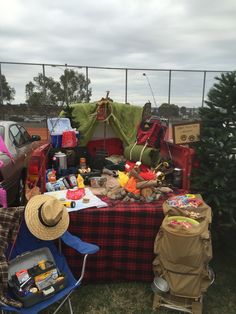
(87, 95)
(169, 87)
(44, 86)
(126, 86)
(67, 92)
(203, 87)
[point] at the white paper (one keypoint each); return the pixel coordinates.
(94, 201)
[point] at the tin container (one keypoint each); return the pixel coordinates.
(98, 182)
(160, 285)
(61, 183)
(66, 183)
(72, 180)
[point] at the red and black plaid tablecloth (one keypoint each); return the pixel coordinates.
(125, 233)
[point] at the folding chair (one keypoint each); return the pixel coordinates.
(27, 242)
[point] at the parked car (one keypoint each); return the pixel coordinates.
(14, 158)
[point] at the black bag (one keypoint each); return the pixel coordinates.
(99, 161)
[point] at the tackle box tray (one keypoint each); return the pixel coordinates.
(29, 261)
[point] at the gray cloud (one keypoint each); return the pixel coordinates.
(168, 34)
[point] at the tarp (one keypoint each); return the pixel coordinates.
(123, 119)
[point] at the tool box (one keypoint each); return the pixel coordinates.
(34, 277)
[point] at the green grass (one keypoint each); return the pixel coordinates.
(136, 298)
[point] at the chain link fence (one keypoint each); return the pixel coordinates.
(186, 88)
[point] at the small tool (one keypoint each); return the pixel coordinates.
(70, 204)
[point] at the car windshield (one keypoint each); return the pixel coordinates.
(25, 134)
(16, 136)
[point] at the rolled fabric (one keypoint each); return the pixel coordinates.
(149, 155)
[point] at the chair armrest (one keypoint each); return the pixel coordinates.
(79, 245)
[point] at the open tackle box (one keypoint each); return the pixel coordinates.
(34, 276)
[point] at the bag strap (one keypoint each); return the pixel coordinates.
(142, 151)
(131, 150)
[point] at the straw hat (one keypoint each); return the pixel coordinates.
(46, 217)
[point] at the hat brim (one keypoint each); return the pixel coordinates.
(36, 227)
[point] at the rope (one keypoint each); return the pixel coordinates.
(142, 151)
(130, 153)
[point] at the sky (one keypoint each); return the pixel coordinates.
(140, 34)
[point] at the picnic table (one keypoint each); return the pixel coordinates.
(125, 233)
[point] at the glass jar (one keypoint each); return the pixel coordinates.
(177, 177)
(82, 163)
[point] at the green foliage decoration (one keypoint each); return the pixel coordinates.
(215, 178)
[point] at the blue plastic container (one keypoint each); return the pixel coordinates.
(56, 127)
(56, 140)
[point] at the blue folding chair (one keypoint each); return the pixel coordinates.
(27, 242)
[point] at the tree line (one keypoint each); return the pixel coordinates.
(71, 87)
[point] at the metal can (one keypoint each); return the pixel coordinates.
(72, 180)
(61, 183)
(49, 187)
(67, 185)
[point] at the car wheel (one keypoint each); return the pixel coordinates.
(21, 200)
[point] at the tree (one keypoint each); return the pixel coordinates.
(168, 110)
(70, 89)
(43, 90)
(183, 110)
(6, 93)
(73, 87)
(215, 178)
